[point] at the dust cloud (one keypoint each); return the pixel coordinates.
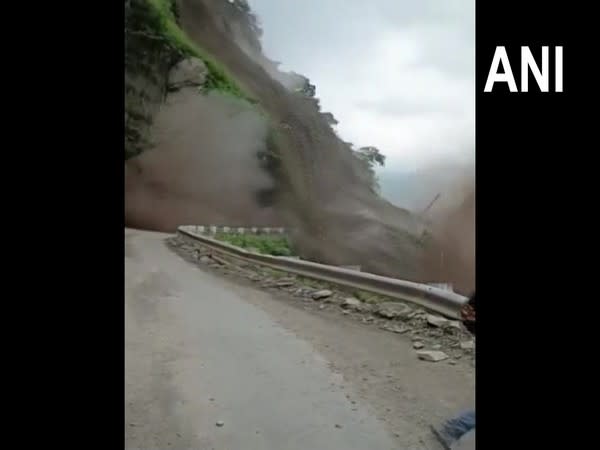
(203, 167)
(442, 194)
(451, 258)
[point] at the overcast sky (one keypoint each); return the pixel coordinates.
(397, 74)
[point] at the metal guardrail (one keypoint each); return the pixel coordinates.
(429, 297)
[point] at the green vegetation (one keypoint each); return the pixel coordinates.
(217, 78)
(272, 273)
(266, 244)
(363, 296)
(369, 297)
(369, 158)
(315, 284)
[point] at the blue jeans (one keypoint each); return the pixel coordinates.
(459, 426)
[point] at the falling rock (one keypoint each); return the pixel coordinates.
(418, 345)
(351, 303)
(392, 310)
(220, 423)
(324, 293)
(432, 355)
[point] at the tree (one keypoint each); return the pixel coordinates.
(251, 18)
(329, 118)
(372, 155)
(368, 157)
(303, 84)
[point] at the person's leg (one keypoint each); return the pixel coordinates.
(466, 441)
(455, 428)
(460, 425)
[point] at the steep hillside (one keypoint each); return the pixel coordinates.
(217, 134)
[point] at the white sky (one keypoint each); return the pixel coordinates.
(396, 74)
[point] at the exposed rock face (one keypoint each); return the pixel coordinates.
(191, 72)
(147, 63)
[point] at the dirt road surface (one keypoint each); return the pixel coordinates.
(212, 364)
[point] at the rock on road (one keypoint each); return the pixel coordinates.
(217, 366)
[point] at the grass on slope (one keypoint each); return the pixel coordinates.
(217, 78)
(266, 244)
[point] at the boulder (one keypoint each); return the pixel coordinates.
(432, 355)
(393, 310)
(351, 303)
(437, 321)
(187, 73)
(319, 295)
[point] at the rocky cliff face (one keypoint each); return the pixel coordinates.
(148, 58)
(216, 134)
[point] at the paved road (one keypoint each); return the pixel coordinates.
(201, 348)
(198, 353)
